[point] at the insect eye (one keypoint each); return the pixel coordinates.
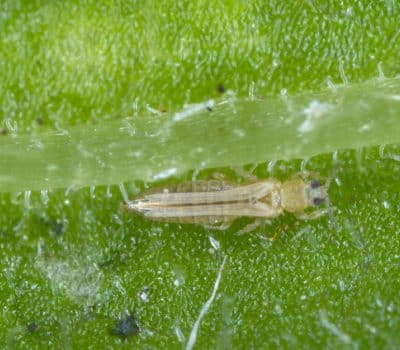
(315, 184)
(318, 201)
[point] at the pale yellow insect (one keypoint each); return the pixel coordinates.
(216, 204)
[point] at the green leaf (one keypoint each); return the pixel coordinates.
(92, 107)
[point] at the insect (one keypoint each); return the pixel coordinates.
(215, 204)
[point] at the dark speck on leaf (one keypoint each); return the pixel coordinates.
(3, 131)
(221, 88)
(126, 326)
(32, 327)
(209, 108)
(58, 228)
(39, 120)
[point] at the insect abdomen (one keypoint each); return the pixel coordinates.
(201, 186)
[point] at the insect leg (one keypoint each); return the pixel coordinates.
(312, 216)
(221, 227)
(246, 174)
(252, 226)
(306, 174)
(277, 234)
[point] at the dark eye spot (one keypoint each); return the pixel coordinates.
(318, 201)
(315, 184)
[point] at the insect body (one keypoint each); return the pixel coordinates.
(216, 204)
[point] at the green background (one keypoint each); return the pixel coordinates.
(77, 80)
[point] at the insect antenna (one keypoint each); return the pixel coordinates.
(330, 207)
